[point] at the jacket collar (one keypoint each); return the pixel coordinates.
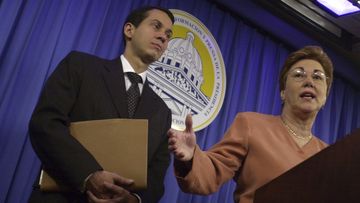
(113, 76)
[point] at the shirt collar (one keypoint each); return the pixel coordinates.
(128, 68)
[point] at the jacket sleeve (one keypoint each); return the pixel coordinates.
(61, 155)
(158, 166)
(210, 169)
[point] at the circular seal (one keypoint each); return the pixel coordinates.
(190, 75)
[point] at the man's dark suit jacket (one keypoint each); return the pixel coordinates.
(85, 87)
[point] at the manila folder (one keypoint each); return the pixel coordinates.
(119, 145)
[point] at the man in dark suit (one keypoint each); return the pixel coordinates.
(85, 87)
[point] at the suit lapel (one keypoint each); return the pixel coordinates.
(114, 79)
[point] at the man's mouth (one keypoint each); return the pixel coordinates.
(157, 46)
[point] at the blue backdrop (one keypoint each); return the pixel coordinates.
(36, 34)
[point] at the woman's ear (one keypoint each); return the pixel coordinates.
(282, 95)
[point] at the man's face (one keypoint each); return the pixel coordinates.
(150, 39)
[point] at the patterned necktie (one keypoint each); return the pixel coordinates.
(133, 93)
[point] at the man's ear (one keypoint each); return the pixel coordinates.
(129, 30)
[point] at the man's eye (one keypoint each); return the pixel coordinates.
(157, 26)
(168, 35)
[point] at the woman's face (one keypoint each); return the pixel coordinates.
(305, 88)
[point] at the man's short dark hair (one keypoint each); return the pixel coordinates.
(138, 15)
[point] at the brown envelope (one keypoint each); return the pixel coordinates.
(119, 145)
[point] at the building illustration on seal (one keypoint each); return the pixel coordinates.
(178, 76)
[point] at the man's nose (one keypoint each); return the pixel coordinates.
(163, 36)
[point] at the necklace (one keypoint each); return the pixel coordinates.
(308, 137)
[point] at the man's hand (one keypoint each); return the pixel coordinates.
(98, 184)
(182, 144)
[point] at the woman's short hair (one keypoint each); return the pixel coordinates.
(308, 52)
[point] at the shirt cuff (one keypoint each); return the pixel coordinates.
(137, 197)
(83, 187)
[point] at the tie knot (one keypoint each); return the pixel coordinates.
(134, 78)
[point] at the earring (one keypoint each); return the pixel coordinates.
(282, 97)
